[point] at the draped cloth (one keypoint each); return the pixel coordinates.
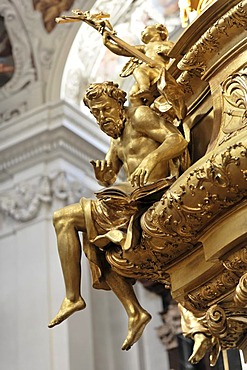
(113, 219)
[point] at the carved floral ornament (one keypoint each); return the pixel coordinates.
(209, 48)
(224, 321)
(201, 54)
(25, 201)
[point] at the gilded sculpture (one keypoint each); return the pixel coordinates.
(110, 218)
(170, 221)
(156, 47)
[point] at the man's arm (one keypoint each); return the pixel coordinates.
(106, 170)
(172, 143)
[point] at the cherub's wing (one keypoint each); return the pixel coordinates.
(130, 66)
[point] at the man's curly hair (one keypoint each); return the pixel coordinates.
(109, 88)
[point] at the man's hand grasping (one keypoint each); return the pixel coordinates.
(141, 174)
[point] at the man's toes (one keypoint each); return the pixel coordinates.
(126, 346)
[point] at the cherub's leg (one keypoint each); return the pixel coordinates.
(142, 79)
(135, 100)
(67, 222)
(138, 318)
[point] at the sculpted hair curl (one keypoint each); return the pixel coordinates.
(95, 90)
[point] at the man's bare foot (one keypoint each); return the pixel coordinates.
(67, 309)
(135, 328)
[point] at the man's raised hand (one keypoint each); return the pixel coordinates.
(104, 172)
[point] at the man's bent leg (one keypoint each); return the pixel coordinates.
(68, 221)
(138, 318)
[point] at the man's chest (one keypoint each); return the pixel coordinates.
(133, 145)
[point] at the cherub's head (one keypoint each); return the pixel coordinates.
(157, 32)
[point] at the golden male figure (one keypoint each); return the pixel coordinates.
(143, 144)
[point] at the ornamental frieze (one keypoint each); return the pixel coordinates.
(236, 261)
(24, 202)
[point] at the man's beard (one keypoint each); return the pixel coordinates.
(117, 126)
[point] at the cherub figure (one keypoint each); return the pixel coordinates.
(156, 48)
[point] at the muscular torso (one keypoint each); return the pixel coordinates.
(133, 147)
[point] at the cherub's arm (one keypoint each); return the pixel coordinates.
(117, 49)
(165, 47)
(106, 170)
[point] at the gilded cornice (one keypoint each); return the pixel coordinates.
(199, 26)
(211, 44)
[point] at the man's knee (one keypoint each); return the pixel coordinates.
(59, 218)
(70, 216)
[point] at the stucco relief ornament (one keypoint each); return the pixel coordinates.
(25, 201)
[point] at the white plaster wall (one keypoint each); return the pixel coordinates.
(26, 344)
